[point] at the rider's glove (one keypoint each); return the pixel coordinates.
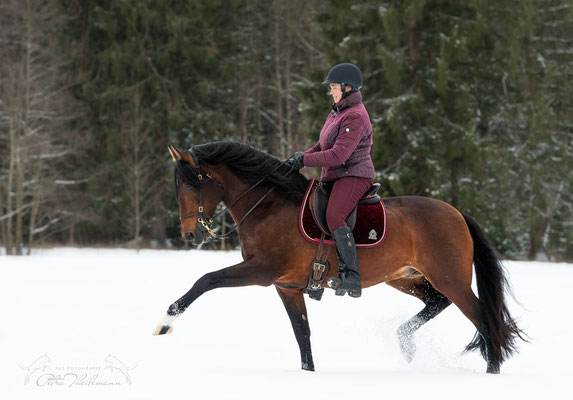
(296, 162)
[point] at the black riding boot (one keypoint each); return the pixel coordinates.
(347, 250)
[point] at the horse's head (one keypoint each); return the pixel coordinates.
(198, 194)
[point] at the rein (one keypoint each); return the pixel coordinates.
(204, 221)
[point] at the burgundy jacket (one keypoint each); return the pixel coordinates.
(343, 148)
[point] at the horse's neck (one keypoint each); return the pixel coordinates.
(234, 188)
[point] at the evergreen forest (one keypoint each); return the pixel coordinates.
(471, 102)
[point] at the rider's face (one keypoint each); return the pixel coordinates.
(335, 92)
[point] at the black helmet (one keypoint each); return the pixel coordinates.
(345, 74)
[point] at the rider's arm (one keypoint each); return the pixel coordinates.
(350, 132)
(313, 149)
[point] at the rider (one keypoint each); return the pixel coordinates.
(343, 152)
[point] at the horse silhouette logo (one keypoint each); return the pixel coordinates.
(40, 363)
(116, 363)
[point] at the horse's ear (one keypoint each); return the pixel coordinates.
(179, 154)
(174, 154)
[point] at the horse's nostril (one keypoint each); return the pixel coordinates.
(188, 236)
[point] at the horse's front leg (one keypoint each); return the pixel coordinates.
(247, 273)
(293, 301)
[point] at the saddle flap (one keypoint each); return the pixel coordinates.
(318, 205)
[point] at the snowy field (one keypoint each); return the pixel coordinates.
(75, 319)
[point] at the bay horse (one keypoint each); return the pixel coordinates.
(428, 252)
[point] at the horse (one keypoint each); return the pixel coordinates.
(428, 253)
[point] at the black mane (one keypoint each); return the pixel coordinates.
(249, 165)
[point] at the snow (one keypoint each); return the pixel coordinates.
(89, 311)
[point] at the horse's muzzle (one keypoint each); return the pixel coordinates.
(194, 237)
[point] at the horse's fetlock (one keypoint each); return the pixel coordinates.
(174, 309)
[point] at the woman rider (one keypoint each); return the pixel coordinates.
(343, 152)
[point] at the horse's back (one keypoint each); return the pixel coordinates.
(424, 214)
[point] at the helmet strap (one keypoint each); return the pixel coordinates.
(345, 93)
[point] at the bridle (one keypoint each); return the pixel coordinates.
(204, 221)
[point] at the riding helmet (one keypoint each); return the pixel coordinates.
(345, 74)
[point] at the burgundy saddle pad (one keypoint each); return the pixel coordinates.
(369, 231)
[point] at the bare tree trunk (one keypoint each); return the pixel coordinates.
(2, 224)
(72, 233)
(31, 92)
(18, 239)
(136, 168)
(288, 148)
(11, 169)
(246, 94)
(259, 121)
(279, 148)
(549, 217)
(142, 187)
(33, 215)
(136, 201)
(23, 132)
(534, 220)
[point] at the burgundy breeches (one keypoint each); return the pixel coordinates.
(344, 196)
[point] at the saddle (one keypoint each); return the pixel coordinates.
(367, 220)
(319, 202)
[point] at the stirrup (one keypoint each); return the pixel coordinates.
(340, 290)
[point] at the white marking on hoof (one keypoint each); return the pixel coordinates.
(165, 326)
(162, 330)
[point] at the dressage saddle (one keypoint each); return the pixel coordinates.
(319, 202)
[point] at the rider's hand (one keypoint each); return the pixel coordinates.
(296, 162)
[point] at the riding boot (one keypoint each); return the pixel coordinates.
(346, 247)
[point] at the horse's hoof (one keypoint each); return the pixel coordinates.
(493, 369)
(162, 330)
(165, 325)
(307, 367)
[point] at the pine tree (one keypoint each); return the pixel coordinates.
(456, 91)
(417, 59)
(149, 73)
(535, 124)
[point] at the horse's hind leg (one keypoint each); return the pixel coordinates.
(293, 301)
(419, 287)
(461, 294)
(469, 305)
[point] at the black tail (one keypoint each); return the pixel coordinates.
(502, 330)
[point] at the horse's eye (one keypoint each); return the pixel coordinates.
(187, 186)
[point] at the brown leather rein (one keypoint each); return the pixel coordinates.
(204, 221)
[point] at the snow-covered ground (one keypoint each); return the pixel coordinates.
(75, 319)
